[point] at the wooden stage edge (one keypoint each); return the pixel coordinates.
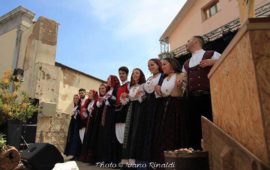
(225, 153)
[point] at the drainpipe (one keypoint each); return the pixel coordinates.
(17, 73)
(17, 47)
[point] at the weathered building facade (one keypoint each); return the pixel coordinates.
(209, 18)
(31, 46)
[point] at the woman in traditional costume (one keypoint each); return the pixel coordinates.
(73, 144)
(96, 142)
(171, 130)
(87, 153)
(109, 153)
(136, 95)
(148, 112)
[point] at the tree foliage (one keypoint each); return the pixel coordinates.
(2, 143)
(14, 104)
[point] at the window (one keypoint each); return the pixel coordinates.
(210, 9)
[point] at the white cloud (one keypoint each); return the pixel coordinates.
(104, 10)
(129, 21)
(136, 17)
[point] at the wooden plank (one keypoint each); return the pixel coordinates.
(225, 153)
(240, 89)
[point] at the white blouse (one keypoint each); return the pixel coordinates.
(149, 85)
(100, 102)
(168, 85)
(109, 95)
(134, 90)
(90, 107)
(75, 112)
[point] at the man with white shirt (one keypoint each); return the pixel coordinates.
(121, 107)
(198, 86)
(83, 104)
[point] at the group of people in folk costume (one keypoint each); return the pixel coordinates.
(134, 121)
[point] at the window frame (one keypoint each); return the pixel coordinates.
(210, 9)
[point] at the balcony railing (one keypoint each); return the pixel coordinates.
(262, 11)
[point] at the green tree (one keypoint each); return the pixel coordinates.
(2, 143)
(14, 104)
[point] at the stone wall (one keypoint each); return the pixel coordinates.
(54, 84)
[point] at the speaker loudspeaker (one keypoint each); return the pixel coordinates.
(42, 156)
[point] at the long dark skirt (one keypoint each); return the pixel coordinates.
(131, 145)
(171, 130)
(97, 143)
(156, 142)
(87, 154)
(107, 137)
(148, 119)
(73, 145)
(121, 114)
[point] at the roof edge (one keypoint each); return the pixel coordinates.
(16, 11)
(176, 20)
(85, 74)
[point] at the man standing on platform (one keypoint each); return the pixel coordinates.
(83, 104)
(198, 86)
(121, 107)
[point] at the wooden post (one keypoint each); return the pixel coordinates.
(246, 10)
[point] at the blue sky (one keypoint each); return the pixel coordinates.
(98, 36)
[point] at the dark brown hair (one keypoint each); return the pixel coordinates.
(174, 63)
(81, 89)
(157, 61)
(141, 80)
(124, 69)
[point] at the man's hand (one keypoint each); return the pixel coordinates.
(179, 82)
(207, 62)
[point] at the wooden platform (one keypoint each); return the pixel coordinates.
(225, 153)
(240, 88)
